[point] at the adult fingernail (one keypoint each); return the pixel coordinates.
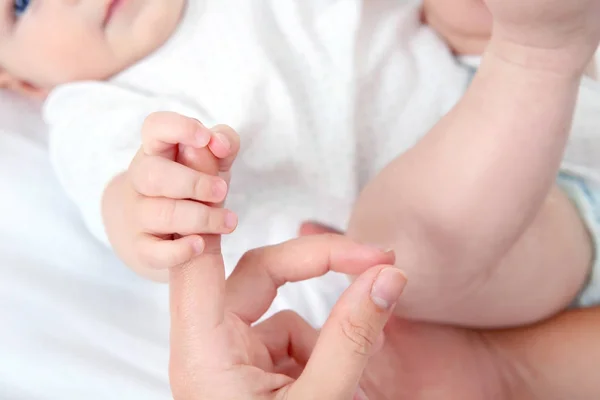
(231, 220)
(389, 251)
(223, 139)
(383, 249)
(360, 395)
(388, 287)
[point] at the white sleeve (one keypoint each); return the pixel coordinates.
(94, 134)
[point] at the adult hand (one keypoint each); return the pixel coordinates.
(217, 354)
(552, 360)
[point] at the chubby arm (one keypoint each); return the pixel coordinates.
(471, 210)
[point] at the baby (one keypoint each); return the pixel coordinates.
(324, 95)
(306, 83)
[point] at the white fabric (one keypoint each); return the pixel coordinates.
(75, 323)
(322, 92)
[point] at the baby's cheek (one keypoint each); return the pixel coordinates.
(466, 25)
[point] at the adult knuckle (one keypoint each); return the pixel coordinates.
(360, 335)
(249, 257)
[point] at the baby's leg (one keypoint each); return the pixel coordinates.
(471, 210)
(539, 276)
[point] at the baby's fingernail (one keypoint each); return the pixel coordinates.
(231, 220)
(220, 189)
(388, 287)
(223, 139)
(198, 245)
(360, 395)
(202, 137)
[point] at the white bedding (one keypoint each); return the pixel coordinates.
(74, 323)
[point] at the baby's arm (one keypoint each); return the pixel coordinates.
(471, 211)
(95, 132)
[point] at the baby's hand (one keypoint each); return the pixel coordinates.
(179, 190)
(558, 34)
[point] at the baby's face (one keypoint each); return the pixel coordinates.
(49, 42)
(465, 24)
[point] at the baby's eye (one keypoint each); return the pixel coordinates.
(20, 6)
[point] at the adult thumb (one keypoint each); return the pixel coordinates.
(349, 336)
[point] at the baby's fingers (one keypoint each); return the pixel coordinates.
(162, 216)
(163, 132)
(159, 177)
(156, 253)
(225, 145)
